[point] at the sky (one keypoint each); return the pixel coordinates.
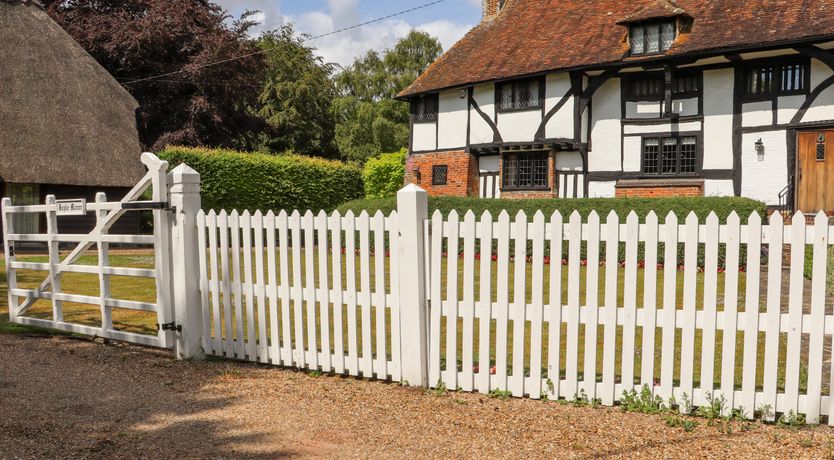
(448, 21)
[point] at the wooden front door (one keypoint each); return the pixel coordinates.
(815, 172)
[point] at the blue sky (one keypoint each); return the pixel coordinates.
(447, 21)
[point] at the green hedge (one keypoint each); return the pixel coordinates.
(383, 175)
(701, 206)
(255, 181)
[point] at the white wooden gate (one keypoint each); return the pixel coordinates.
(21, 300)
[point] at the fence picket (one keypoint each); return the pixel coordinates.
(272, 291)
(217, 334)
(453, 231)
(536, 310)
(297, 291)
(260, 290)
(227, 332)
(728, 351)
(690, 284)
(649, 301)
(435, 298)
(773, 314)
(751, 314)
(795, 302)
(249, 319)
(630, 300)
(287, 353)
(485, 304)
(324, 292)
(815, 339)
(572, 315)
(350, 268)
(467, 382)
(670, 308)
(378, 225)
(503, 305)
(589, 381)
(554, 326)
(308, 226)
(516, 381)
(394, 307)
(612, 241)
(710, 308)
(204, 280)
(364, 225)
(237, 288)
(338, 300)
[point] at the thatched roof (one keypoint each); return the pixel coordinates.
(63, 118)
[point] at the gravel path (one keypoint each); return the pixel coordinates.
(65, 397)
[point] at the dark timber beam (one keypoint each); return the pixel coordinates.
(496, 135)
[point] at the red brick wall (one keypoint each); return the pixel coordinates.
(659, 189)
(462, 179)
(527, 194)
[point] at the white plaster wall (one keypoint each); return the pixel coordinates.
(605, 128)
(632, 147)
(489, 163)
(643, 109)
(718, 119)
(605, 189)
(685, 107)
(718, 188)
(519, 126)
(425, 137)
(480, 131)
(823, 107)
(662, 128)
(763, 180)
(568, 161)
(560, 125)
(757, 114)
(788, 106)
(452, 120)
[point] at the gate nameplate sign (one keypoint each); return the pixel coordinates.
(72, 207)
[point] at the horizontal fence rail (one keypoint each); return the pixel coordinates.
(573, 308)
(315, 292)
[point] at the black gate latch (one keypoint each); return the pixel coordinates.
(172, 326)
(146, 205)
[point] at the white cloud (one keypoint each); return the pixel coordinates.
(344, 47)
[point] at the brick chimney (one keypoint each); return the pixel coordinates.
(492, 8)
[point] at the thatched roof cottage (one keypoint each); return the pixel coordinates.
(67, 127)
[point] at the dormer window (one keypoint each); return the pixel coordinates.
(652, 37)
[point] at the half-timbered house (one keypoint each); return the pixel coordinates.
(573, 98)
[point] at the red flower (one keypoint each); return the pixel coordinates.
(492, 370)
(547, 260)
(494, 257)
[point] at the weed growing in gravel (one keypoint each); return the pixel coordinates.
(675, 421)
(315, 373)
(500, 394)
(714, 409)
(643, 402)
(581, 400)
(439, 389)
(791, 420)
(766, 413)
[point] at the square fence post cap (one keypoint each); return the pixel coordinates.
(185, 174)
(411, 188)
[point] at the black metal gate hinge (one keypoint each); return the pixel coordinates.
(172, 326)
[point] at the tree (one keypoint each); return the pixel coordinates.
(297, 97)
(133, 39)
(369, 119)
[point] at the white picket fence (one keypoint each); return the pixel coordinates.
(287, 303)
(542, 364)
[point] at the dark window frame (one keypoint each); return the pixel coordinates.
(697, 160)
(778, 67)
(542, 158)
(436, 171)
(630, 82)
(425, 109)
(515, 106)
(821, 142)
(644, 26)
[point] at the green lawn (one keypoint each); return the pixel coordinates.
(143, 290)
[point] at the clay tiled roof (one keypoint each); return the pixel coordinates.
(533, 36)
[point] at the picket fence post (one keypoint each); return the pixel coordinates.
(187, 300)
(412, 212)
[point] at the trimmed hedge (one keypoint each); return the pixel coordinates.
(255, 181)
(383, 175)
(701, 206)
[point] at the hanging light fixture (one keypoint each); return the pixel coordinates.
(760, 149)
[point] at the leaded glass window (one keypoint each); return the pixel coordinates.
(670, 156)
(525, 171)
(655, 37)
(519, 95)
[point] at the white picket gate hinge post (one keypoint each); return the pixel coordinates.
(185, 200)
(412, 211)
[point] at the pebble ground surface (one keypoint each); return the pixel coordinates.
(74, 398)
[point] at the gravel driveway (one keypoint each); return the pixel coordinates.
(66, 397)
